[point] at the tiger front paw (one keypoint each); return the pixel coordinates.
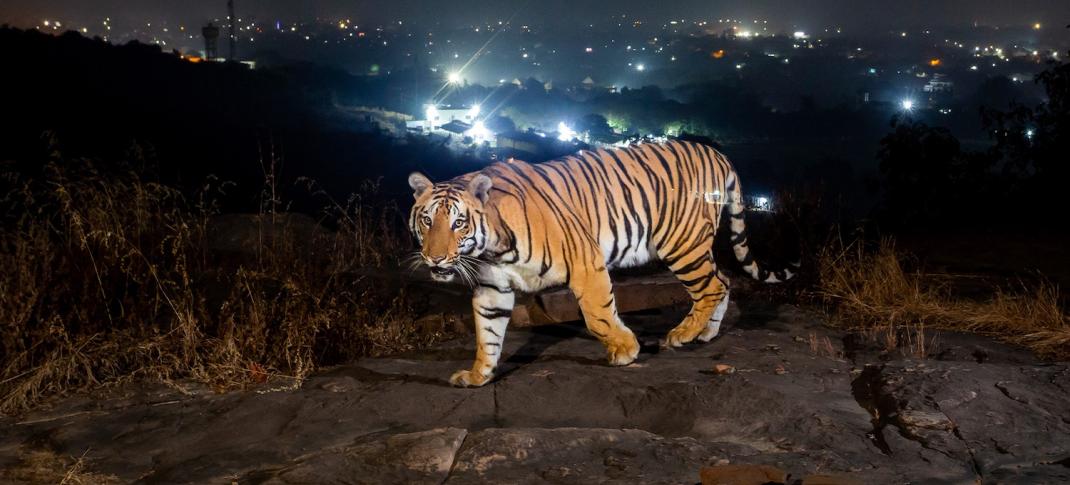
(624, 351)
(681, 335)
(467, 378)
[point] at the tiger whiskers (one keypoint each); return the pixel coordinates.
(468, 268)
(413, 261)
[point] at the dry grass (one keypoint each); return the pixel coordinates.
(109, 278)
(47, 467)
(871, 291)
(823, 347)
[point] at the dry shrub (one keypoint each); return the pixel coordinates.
(104, 278)
(871, 291)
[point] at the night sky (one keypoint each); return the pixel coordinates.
(798, 13)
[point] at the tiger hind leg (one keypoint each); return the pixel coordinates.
(709, 296)
(713, 327)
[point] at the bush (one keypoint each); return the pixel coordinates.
(108, 277)
(871, 291)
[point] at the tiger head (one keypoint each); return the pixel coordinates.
(448, 220)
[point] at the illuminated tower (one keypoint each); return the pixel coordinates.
(211, 41)
(233, 33)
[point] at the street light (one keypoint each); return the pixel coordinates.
(907, 104)
(564, 132)
(479, 132)
(432, 116)
(454, 78)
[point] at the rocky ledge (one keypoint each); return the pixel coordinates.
(777, 398)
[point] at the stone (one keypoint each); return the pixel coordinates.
(723, 369)
(632, 294)
(576, 455)
(415, 458)
(830, 480)
(925, 419)
(742, 475)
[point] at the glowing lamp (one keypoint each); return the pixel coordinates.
(479, 132)
(564, 132)
(432, 115)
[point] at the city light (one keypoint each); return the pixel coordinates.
(479, 132)
(907, 104)
(798, 34)
(454, 78)
(432, 115)
(474, 111)
(1029, 133)
(640, 67)
(565, 132)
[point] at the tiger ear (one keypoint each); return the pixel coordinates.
(480, 186)
(419, 184)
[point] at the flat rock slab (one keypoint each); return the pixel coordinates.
(419, 458)
(577, 455)
(802, 399)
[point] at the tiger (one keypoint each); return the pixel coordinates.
(515, 226)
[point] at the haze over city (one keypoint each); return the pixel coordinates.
(861, 16)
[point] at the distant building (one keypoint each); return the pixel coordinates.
(455, 127)
(939, 91)
(525, 142)
(211, 41)
(437, 116)
(939, 84)
(533, 145)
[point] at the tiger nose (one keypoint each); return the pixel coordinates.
(435, 260)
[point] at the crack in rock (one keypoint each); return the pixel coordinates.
(1002, 386)
(453, 459)
(866, 388)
